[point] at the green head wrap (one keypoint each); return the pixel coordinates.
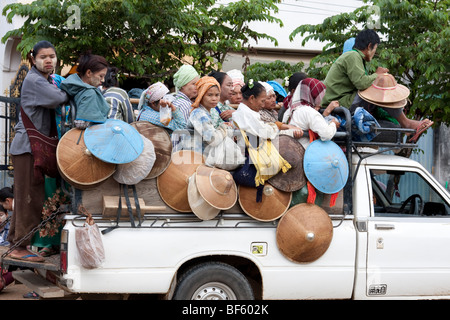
(184, 75)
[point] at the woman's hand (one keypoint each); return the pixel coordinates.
(333, 105)
(165, 103)
(226, 115)
(297, 132)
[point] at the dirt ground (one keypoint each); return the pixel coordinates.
(14, 291)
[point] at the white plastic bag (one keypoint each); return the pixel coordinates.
(89, 244)
(135, 171)
(226, 155)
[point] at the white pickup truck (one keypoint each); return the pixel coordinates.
(390, 240)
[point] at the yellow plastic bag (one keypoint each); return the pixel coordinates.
(266, 159)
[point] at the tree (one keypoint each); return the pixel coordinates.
(146, 39)
(415, 48)
(271, 71)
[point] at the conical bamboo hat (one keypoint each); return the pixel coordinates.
(77, 165)
(173, 182)
(304, 233)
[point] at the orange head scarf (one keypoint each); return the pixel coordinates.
(203, 85)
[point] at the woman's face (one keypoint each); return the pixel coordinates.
(211, 98)
(271, 101)
(45, 60)
(95, 79)
(236, 95)
(7, 204)
(226, 88)
(190, 89)
(257, 103)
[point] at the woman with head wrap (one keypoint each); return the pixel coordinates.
(223, 111)
(184, 81)
(149, 105)
(205, 134)
(303, 113)
(269, 113)
(237, 79)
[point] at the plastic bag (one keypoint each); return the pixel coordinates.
(165, 113)
(226, 155)
(89, 244)
(135, 171)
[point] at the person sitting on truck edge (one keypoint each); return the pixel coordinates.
(149, 105)
(223, 111)
(269, 113)
(291, 83)
(117, 98)
(303, 111)
(200, 119)
(83, 86)
(237, 79)
(348, 74)
(184, 81)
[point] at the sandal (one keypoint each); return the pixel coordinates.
(31, 295)
(421, 128)
(47, 251)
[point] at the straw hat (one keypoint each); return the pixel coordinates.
(173, 182)
(326, 166)
(114, 141)
(304, 233)
(161, 142)
(293, 152)
(273, 205)
(217, 187)
(385, 90)
(199, 206)
(135, 171)
(77, 164)
(393, 105)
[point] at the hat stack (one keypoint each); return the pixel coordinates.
(173, 183)
(211, 190)
(386, 92)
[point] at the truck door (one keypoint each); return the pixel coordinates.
(408, 235)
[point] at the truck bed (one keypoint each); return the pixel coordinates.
(51, 263)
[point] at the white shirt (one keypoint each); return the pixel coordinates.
(307, 118)
(250, 122)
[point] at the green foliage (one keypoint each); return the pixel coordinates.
(146, 39)
(271, 71)
(415, 48)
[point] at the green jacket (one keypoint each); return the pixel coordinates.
(347, 75)
(89, 101)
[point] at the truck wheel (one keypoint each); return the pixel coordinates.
(213, 281)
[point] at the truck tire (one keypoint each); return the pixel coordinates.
(213, 281)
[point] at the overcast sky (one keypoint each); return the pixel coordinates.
(294, 13)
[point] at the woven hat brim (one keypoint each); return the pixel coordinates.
(385, 95)
(199, 206)
(394, 105)
(215, 199)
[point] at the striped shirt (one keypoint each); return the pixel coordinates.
(120, 104)
(183, 103)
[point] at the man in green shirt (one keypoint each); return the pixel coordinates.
(348, 74)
